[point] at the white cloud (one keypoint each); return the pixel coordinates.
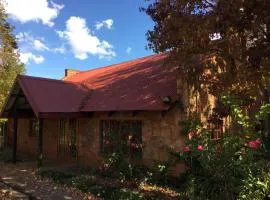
(27, 39)
(83, 42)
(39, 46)
(128, 51)
(61, 34)
(28, 56)
(108, 23)
(24, 37)
(33, 10)
(60, 50)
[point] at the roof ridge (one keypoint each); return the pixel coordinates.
(48, 79)
(121, 63)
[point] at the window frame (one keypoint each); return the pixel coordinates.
(216, 129)
(122, 141)
(33, 127)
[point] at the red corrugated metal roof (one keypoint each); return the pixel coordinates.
(48, 95)
(134, 85)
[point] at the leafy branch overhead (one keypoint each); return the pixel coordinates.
(223, 44)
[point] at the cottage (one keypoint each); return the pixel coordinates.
(135, 107)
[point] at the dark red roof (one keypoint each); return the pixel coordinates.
(49, 95)
(134, 85)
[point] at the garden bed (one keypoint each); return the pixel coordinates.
(109, 188)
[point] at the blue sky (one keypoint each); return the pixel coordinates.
(77, 34)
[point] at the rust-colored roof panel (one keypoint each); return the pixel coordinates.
(135, 85)
(48, 95)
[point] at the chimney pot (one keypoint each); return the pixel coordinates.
(70, 72)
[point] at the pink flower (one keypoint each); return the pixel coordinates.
(186, 149)
(254, 144)
(200, 147)
(258, 141)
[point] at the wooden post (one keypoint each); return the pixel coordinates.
(6, 134)
(267, 116)
(40, 144)
(14, 146)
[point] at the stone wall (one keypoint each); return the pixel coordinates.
(160, 131)
(25, 144)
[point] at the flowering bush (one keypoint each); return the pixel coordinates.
(228, 168)
(216, 169)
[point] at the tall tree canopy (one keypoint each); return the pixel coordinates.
(10, 66)
(229, 38)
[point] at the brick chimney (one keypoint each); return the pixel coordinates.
(70, 72)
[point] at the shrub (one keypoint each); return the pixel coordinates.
(256, 186)
(232, 167)
(105, 191)
(160, 172)
(57, 176)
(116, 166)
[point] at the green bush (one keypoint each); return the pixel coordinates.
(232, 167)
(105, 191)
(116, 166)
(256, 186)
(57, 176)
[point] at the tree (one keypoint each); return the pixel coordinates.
(10, 66)
(224, 44)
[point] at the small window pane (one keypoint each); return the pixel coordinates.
(123, 136)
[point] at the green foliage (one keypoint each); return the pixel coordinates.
(116, 166)
(190, 126)
(217, 171)
(57, 176)
(104, 191)
(89, 185)
(234, 103)
(232, 167)
(256, 187)
(10, 66)
(160, 173)
(265, 109)
(186, 29)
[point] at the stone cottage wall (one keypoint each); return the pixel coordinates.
(160, 131)
(26, 145)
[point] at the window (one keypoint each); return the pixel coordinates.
(3, 134)
(121, 136)
(216, 128)
(62, 136)
(67, 139)
(33, 127)
(73, 143)
(3, 128)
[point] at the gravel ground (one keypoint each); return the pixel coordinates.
(21, 177)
